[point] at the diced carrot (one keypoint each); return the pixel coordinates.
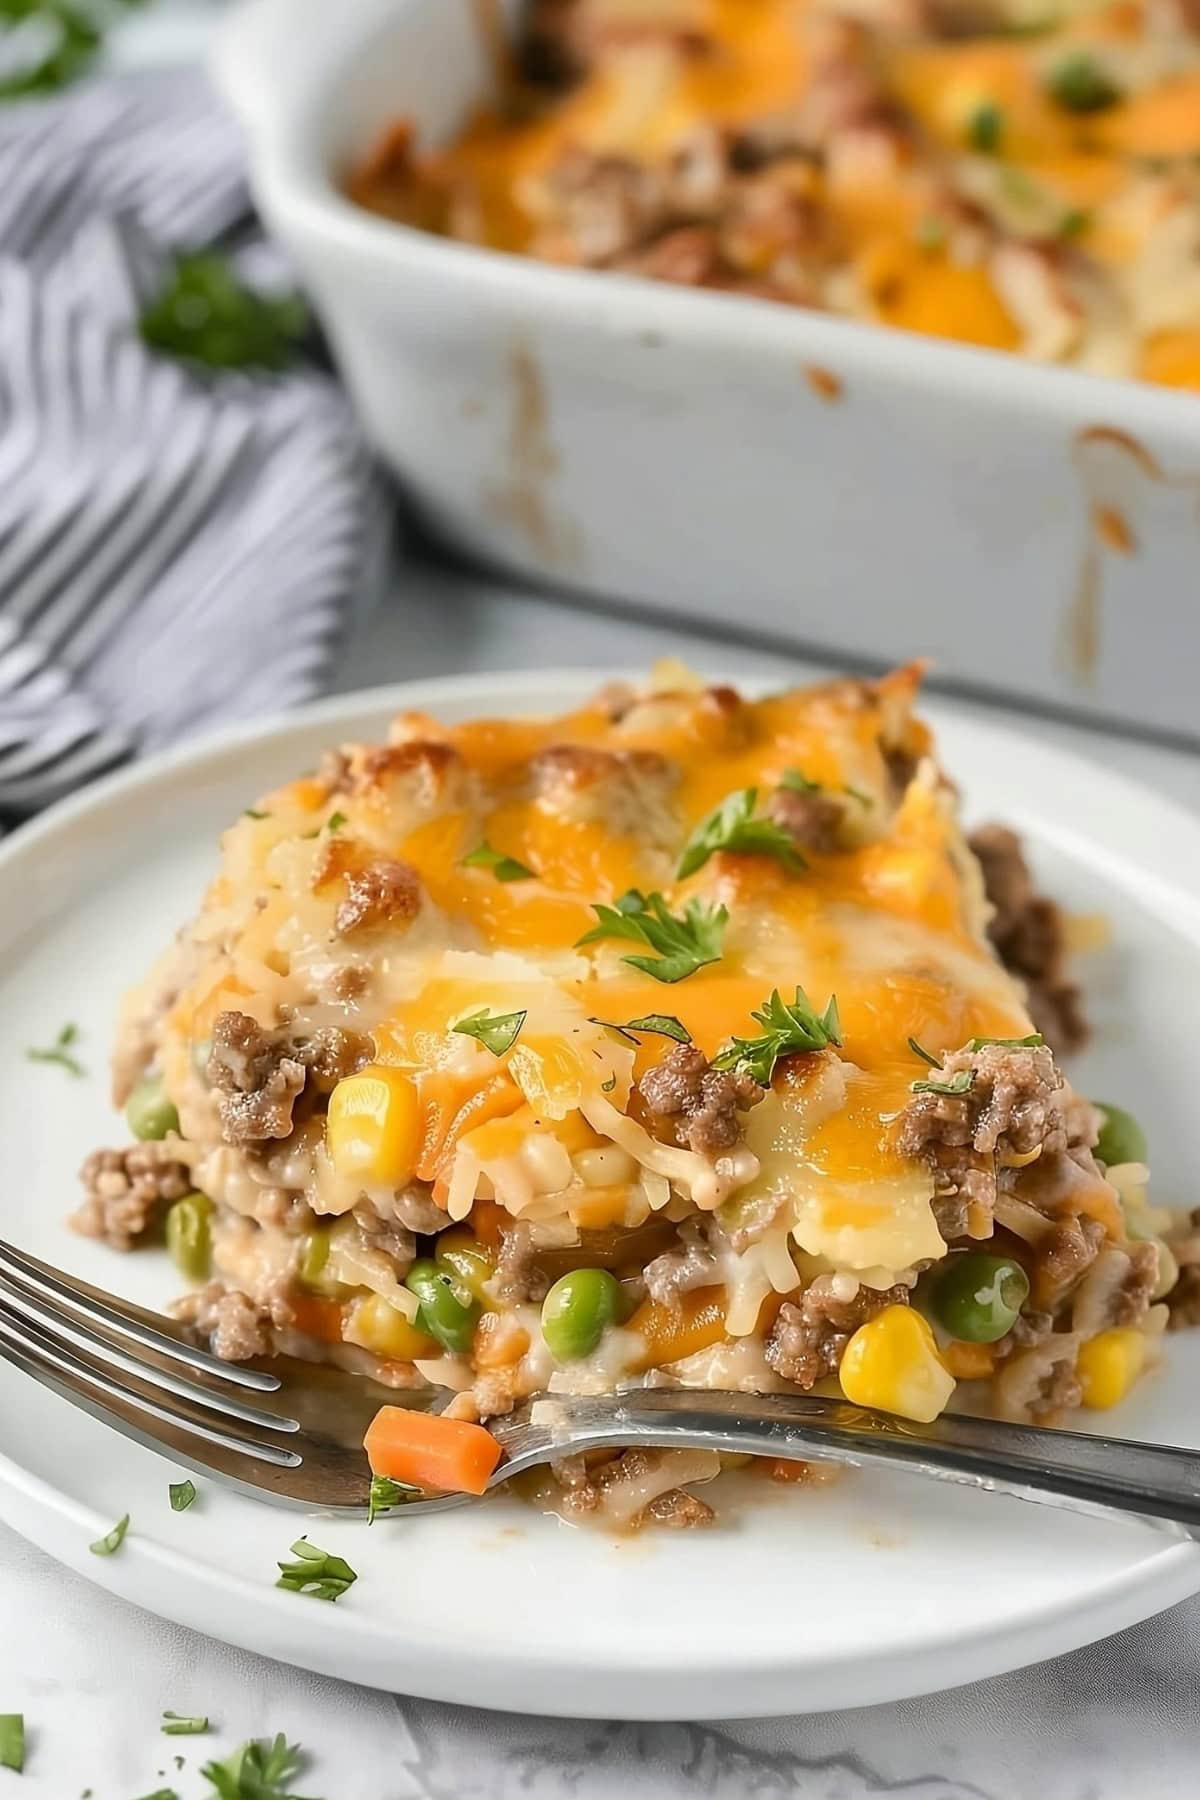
(317, 1316)
(447, 1115)
(426, 1450)
(968, 1362)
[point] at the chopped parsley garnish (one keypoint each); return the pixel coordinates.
(315, 1572)
(47, 44)
(250, 812)
(335, 821)
(386, 1493)
(256, 1771)
(1081, 84)
(788, 1029)
(606, 1087)
(957, 1084)
(183, 1495)
(112, 1540)
(684, 943)
(733, 826)
(60, 1052)
(159, 1794)
(661, 1024)
(985, 127)
(935, 1062)
(1074, 223)
(203, 313)
(12, 1741)
(180, 1725)
(1032, 1042)
(504, 868)
(799, 783)
(497, 1032)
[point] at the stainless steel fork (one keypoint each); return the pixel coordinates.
(292, 1432)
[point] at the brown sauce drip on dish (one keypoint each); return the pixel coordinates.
(521, 499)
(824, 383)
(1110, 464)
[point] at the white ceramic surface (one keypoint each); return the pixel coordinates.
(863, 1592)
(655, 445)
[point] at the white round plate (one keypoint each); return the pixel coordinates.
(871, 1589)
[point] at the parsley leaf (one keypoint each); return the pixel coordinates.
(48, 43)
(732, 826)
(497, 1032)
(985, 127)
(606, 1087)
(504, 868)
(957, 1084)
(180, 1725)
(661, 1024)
(60, 1052)
(384, 1493)
(315, 1572)
(112, 1540)
(684, 943)
(204, 314)
(1031, 1042)
(250, 812)
(183, 1495)
(1074, 222)
(335, 821)
(1081, 84)
(159, 1794)
(788, 1029)
(12, 1741)
(256, 1771)
(799, 783)
(935, 1062)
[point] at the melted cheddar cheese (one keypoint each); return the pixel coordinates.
(1017, 177)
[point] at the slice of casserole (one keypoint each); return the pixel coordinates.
(666, 1041)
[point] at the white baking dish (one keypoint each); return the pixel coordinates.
(1031, 529)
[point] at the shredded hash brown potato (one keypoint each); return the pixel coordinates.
(1007, 173)
(460, 1084)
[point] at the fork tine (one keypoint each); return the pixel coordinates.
(146, 1328)
(63, 1366)
(137, 1360)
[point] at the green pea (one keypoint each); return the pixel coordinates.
(1122, 1139)
(188, 1236)
(576, 1311)
(464, 1258)
(314, 1254)
(448, 1312)
(977, 1298)
(148, 1112)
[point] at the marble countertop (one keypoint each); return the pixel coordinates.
(92, 1675)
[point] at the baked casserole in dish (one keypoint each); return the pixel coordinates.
(1006, 173)
(682, 1039)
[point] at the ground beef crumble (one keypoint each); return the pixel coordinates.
(809, 1336)
(517, 1276)
(259, 1075)
(127, 1191)
(696, 1104)
(1015, 1104)
(1028, 932)
(811, 817)
(235, 1326)
(584, 1482)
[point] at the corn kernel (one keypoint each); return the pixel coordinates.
(1109, 1365)
(375, 1324)
(372, 1132)
(892, 1363)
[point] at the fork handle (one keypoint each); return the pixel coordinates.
(1155, 1482)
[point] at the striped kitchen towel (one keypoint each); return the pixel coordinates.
(177, 547)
